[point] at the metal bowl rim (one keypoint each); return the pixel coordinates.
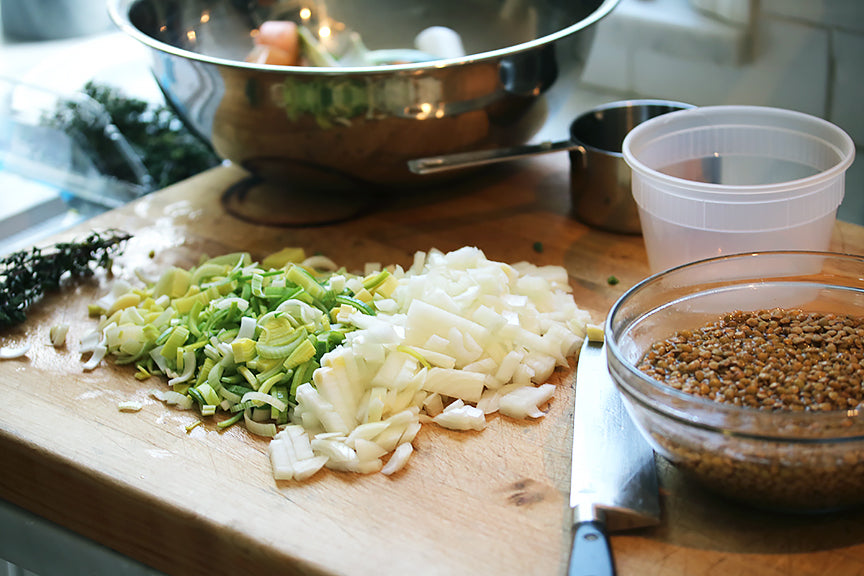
(119, 13)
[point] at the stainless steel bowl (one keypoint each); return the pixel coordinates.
(328, 126)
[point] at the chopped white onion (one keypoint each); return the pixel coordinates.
(456, 326)
(368, 450)
(340, 456)
(455, 383)
(398, 459)
(465, 417)
(10, 353)
(57, 334)
(304, 469)
(489, 401)
(524, 402)
(89, 342)
(129, 406)
(99, 352)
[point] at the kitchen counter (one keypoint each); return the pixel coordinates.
(495, 502)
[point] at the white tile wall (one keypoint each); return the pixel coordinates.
(674, 27)
(806, 55)
(609, 65)
(789, 71)
(736, 11)
(852, 208)
(847, 90)
(845, 14)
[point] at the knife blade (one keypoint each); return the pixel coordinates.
(614, 480)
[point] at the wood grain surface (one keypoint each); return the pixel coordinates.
(495, 502)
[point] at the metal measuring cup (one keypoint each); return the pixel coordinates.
(599, 178)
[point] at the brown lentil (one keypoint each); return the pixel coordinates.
(770, 360)
(780, 359)
(770, 474)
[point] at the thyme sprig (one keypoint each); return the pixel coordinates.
(27, 275)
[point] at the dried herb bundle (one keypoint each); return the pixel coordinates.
(27, 275)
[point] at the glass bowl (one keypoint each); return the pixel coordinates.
(802, 461)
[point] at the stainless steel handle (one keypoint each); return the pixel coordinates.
(446, 162)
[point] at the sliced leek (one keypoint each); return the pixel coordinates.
(341, 369)
(224, 329)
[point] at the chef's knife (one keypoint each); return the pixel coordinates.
(614, 481)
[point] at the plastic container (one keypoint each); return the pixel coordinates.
(723, 180)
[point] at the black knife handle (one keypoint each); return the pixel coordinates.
(591, 555)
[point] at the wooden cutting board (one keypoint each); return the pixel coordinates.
(495, 502)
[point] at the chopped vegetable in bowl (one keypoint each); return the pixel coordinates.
(287, 43)
(339, 369)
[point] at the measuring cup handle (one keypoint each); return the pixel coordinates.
(579, 157)
(482, 157)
